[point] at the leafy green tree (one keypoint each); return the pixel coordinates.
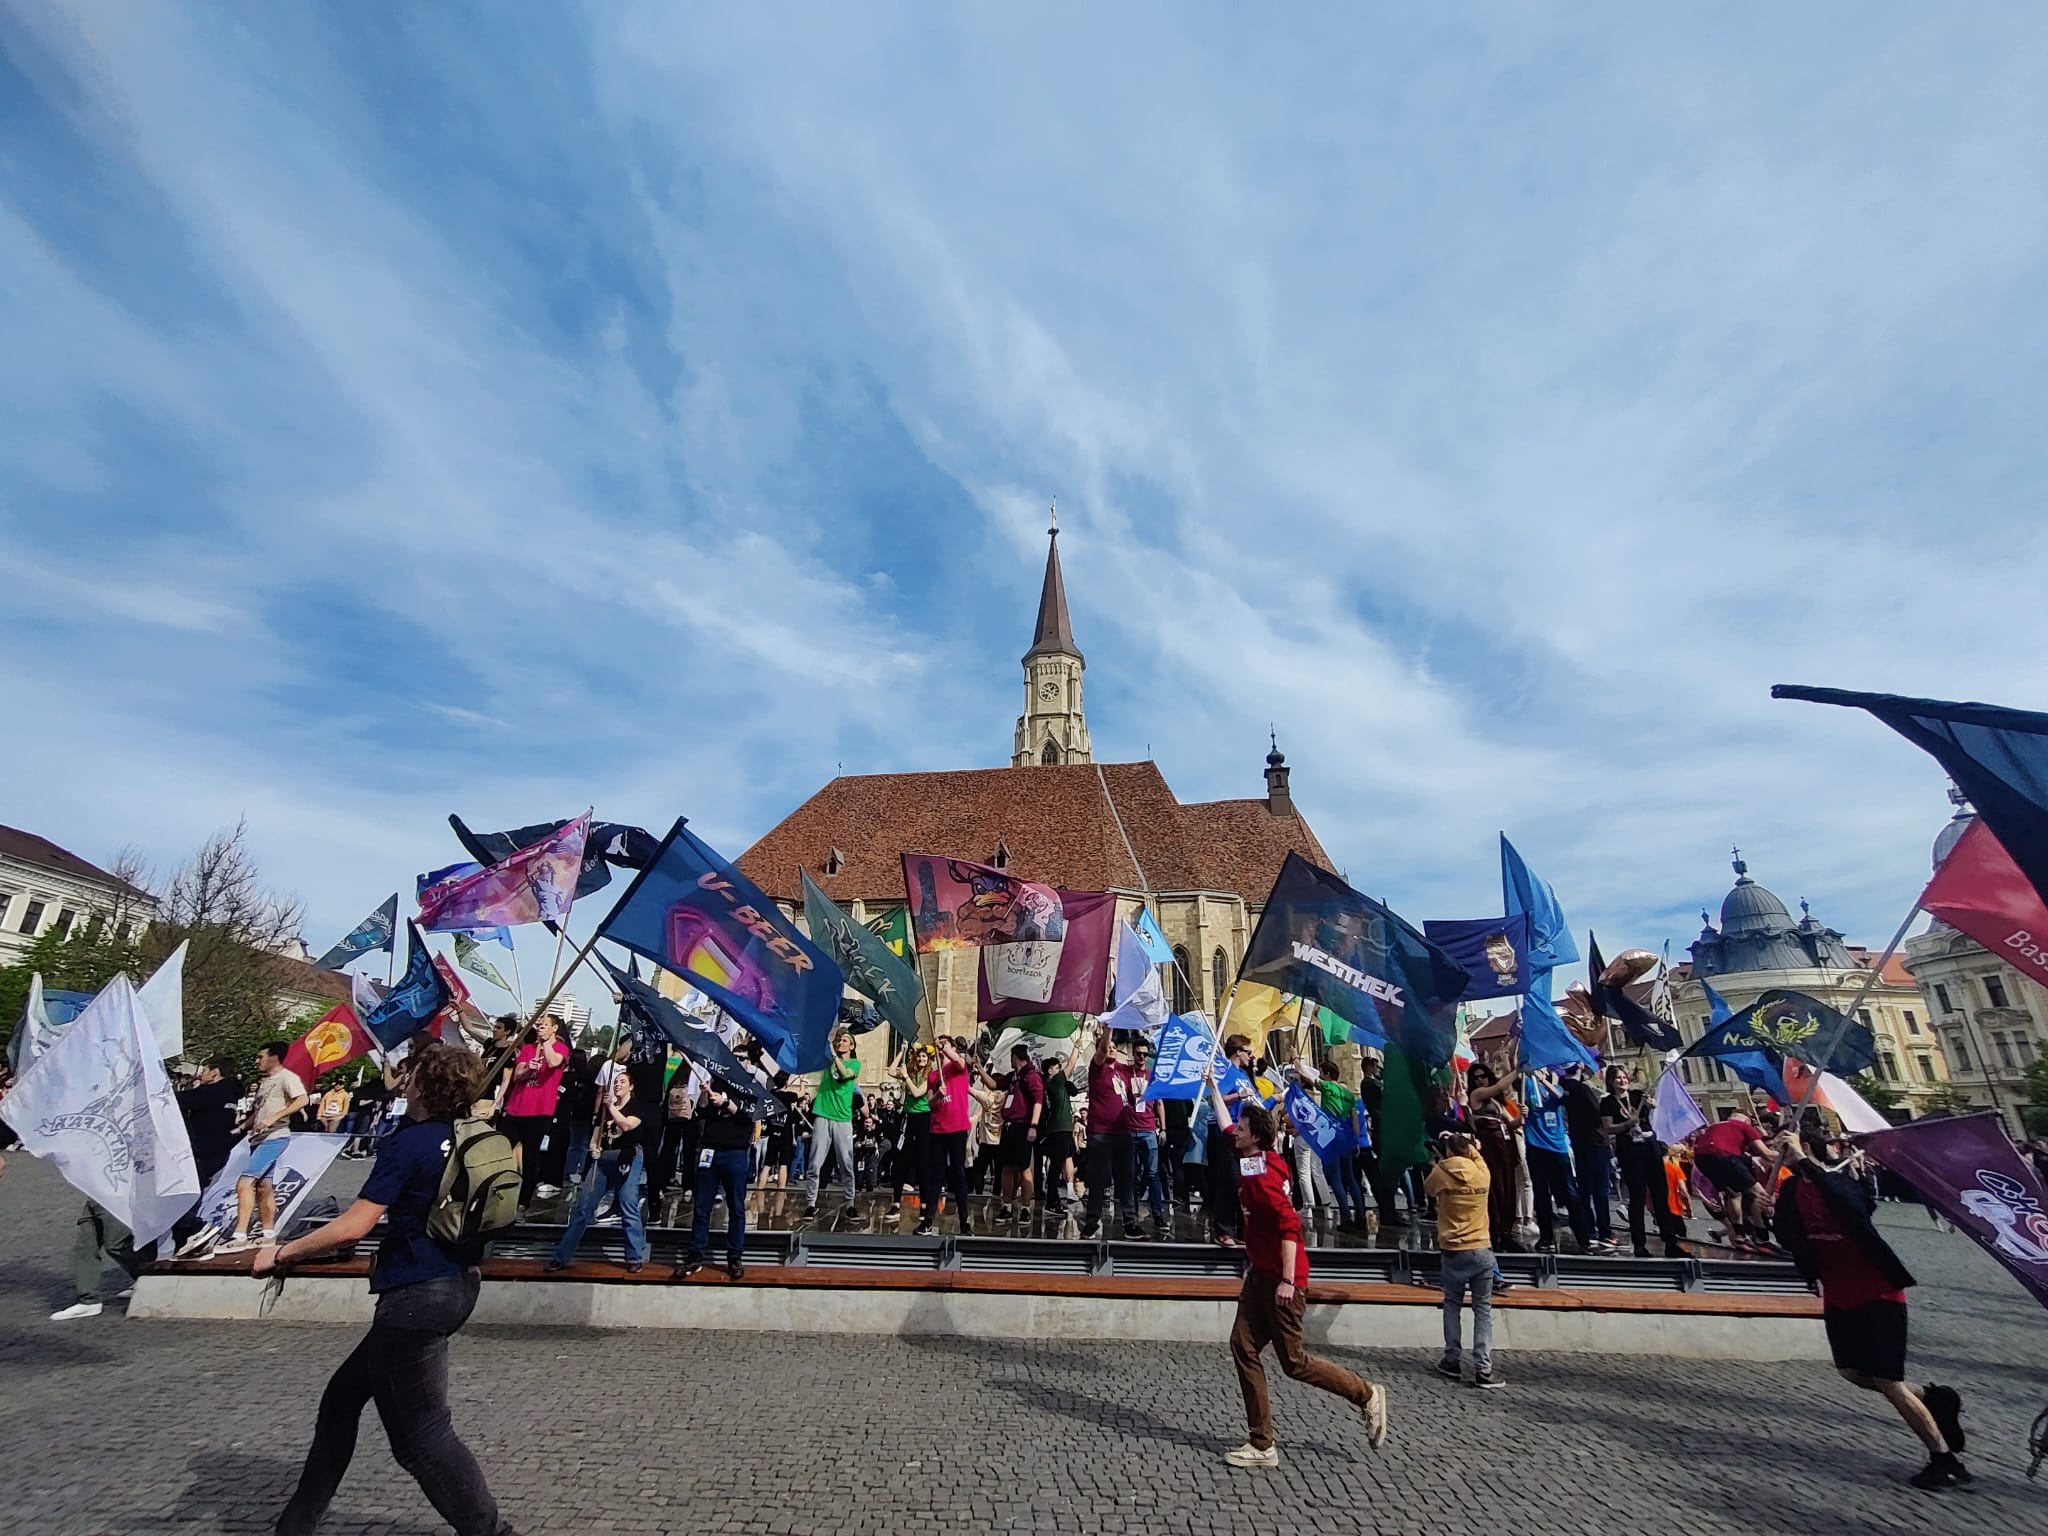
(1882, 1096)
(1945, 1099)
(2034, 1116)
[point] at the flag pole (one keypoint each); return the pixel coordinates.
(540, 1008)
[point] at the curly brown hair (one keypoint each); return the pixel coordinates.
(1259, 1121)
(444, 1081)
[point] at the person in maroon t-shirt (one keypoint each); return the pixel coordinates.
(1723, 1151)
(1023, 1091)
(1823, 1219)
(1274, 1298)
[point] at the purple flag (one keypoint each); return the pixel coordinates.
(1968, 1169)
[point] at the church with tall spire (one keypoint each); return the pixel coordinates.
(1056, 815)
(1053, 728)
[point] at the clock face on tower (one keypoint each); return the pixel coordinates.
(1048, 690)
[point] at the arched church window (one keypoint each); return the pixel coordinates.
(1183, 989)
(1051, 754)
(1217, 965)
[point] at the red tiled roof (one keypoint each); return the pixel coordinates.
(1894, 973)
(44, 854)
(1053, 820)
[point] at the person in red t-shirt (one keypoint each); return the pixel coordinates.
(1274, 1298)
(1722, 1152)
(1823, 1219)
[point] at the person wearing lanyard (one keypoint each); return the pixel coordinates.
(725, 1129)
(1149, 1177)
(1109, 1140)
(425, 1290)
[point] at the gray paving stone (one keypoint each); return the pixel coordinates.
(145, 1428)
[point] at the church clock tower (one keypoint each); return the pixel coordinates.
(1052, 728)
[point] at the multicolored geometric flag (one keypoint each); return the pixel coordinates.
(1967, 1168)
(609, 842)
(1997, 757)
(415, 1002)
(469, 955)
(1077, 980)
(958, 904)
(694, 914)
(336, 1040)
(1981, 892)
(374, 932)
(1320, 939)
(536, 884)
(872, 968)
(1493, 950)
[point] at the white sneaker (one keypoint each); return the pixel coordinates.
(546, 1191)
(1249, 1455)
(76, 1310)
(235, 1244)
(127, 1295)
(1374, 1411)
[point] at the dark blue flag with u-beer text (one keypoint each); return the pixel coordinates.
(649, 1009)
(692, 913)
(416, 1001)
(1318, 938)
(1998, 758)
(1493, 950)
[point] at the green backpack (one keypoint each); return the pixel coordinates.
(479, 1188)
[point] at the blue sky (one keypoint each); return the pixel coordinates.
(507, 410)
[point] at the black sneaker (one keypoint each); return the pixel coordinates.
(553, 1265)
(1490, 1380)
(1134, 1233)
(1946, 1405)
(735, 1270)
(1089, 1229)
(1450, 1370)
(686, 1267)
(925, 1228)
(1942, 1471)
(895, 1209)
(811, 1211)
(1003, 1213)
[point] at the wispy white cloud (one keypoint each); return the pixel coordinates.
(648, 408)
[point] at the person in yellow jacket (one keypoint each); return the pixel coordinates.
(1460, 1184)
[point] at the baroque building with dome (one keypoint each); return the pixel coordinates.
(1759, 946)
(1992, 1019)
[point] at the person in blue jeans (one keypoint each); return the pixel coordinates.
(725, 1157)
(1459, 1184)
(618, 1169)
(1151, 1175)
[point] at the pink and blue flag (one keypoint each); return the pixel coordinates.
(536, 884)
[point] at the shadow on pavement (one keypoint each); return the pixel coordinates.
(237, 1491)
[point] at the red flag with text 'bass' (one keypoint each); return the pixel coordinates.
(1981, 892)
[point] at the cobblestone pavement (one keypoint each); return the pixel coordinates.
(117, 1427)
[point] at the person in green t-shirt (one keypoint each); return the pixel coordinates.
(1056, 1139)
(832, 1119)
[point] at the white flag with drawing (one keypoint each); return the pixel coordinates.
(98, 1105)
(163, 1004)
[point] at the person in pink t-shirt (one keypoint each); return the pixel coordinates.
(531, 1101)
(952, 1117)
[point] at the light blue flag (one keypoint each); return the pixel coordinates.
(1185, 1049)
(1545, 1040)
(1550, 933)
(1156, 947)
(1319, 1128)
(1140, 999)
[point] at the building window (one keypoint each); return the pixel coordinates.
(1863, 1018)
(1941, 999)
(1001, 858)
(1218, 964)
(1051, 755)
(1720, 1071)
(65, 918)
(1888, 1067)
(1183, 987)
(1926, 1067)
(31, 917)
(1960, 1052)
(1994, 988)
(2004, 1048)
(2025, 1046)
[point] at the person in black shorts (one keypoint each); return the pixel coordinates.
(1023, 1090)
(1823, 1220)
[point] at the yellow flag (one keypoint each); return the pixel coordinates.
(1256, 1008)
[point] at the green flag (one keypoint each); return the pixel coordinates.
(892, 927)
(1051, 1026)
(1335, 1030)
(1403, 1138)
(872, 968)
(467, 956)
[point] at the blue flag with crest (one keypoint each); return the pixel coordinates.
(416, 1001)
(1319, 1128)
